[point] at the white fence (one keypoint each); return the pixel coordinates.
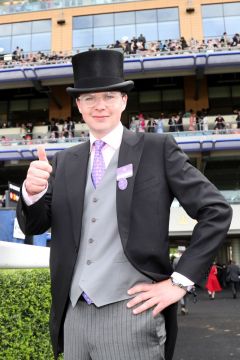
(13, 255)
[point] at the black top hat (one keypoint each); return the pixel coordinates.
(98, 70)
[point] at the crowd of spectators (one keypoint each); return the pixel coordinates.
(140, 45)
(130, 47)
(19, 57)
(58, 130)
(63, 130)
(197, 121)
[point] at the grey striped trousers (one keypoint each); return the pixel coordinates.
(112, 332)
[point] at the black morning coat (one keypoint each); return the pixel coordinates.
(161, 171)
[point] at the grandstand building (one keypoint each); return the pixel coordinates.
(184, 57)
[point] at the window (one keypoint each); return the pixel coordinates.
(220, 18)
(170, 14)
(6, 29)
(125, 31)
(21, 28)
(173, 94)
(231, 9)
(124, 18)
(18, 105)
(103, 30)
(209, 11)
(5, 44)
(41, 42)
(219, 92)
(213, 27)
(103, 36)
(22, 41)
(41, 26)
(82, 22)
(149, 96)
(29, 36)
(39, 104)
(103, 20)
(146, 16)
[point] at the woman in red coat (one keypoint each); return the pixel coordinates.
(212, 284)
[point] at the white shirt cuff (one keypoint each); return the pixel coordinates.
(30, 200)
(181, 279)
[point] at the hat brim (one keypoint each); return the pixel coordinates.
(125, 86)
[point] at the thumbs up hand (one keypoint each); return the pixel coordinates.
(38, 173)
(41, 153)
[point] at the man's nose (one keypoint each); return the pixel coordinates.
(100, 103)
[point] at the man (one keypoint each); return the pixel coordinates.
(233, 276)
(183, 300)
(107, 202)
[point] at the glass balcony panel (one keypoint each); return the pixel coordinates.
(5, 44)
(125, 31)
(146, 16)
(41, 26)
(149, 31)
(41, 42)
(5, 29)
(103, 20)
(168, 30)
(22, 41)
(82, 22)
(169, 14)
(103, 36)
(231, 9)
(124, 18)
(209, 11)
(82, 38)
(21, 28)
(232, 24)
(213, 27)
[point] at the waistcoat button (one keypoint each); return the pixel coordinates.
(89, 262)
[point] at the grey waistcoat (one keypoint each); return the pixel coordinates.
(102, 270)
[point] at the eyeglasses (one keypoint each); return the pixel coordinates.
(109, 98)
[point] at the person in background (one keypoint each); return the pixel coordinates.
(172, 124)
(159, 129)
(238, 120)
(219, 123)
(192, 121)
(233, 276)
(212, 284)
(151, 125)
(183, 300)
(142, 123)
(179, 122)
(107, 202)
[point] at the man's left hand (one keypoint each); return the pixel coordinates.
(158, 295)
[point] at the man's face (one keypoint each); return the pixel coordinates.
(102, 110)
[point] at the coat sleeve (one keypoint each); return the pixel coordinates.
(36, 219)
(203, 202)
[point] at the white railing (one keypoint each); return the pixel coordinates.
(13, 255)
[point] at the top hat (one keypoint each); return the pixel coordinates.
(98, 70)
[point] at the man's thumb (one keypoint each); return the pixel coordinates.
(41, 153)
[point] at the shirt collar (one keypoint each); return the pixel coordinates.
(112, 139)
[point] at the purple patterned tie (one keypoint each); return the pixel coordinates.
(98, 168)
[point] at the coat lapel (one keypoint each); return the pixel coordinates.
(130, 153)
(76, 175)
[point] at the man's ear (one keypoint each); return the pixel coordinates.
(78, 104)
(124, 101)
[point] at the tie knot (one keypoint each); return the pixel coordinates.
(99, 144)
